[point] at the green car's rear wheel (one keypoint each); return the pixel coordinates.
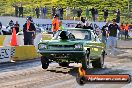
(45, 62)
(99, 62)
(64, 64)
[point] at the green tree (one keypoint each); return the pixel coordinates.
(29, 5)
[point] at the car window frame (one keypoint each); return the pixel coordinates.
(59, 31)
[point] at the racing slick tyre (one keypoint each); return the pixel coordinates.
(99, 62)
(64, 64)
(85, 61)
(45, 62)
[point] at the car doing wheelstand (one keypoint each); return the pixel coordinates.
(75, 45)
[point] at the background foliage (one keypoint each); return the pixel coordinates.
(7, 9)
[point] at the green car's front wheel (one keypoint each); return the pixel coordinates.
(99, 62)
(85, 61)
(45, 62)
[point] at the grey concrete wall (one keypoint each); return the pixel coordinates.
(21, 21)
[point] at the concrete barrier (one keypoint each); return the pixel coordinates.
(2, 38)
(20, 52)
(25, 53)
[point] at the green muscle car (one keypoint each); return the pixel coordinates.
(73, 45)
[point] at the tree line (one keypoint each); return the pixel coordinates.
(7, 8)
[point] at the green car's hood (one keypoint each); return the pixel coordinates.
(72, 42)
(64, 42)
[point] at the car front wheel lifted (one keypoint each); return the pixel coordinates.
(45, 62)
(85, 61)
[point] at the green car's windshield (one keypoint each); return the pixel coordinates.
(78, 34)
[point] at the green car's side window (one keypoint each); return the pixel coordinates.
(81, 34)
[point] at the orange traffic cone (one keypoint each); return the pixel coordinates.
(13, 41)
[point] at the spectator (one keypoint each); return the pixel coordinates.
(44, 12)
(104, 33)
(11, 23)
(74, 12)
(79, 25)
(0, 28)
(126, 31)
(79, 12)
(96, 14)
(121, 32)
(9, 27)
(41, 13)
(29, 31)
(118, 16)
(61, 13)
(37, 11)
(67, 13)
(16, 26)
(93, 13)
(53, 11)
(105, 15)
(61, 27)
(87, 26)
(130, 27)
(16, 10)
(87, 13)
(83, 21)
(58, 12)
(21, 11)
(55, 24)
(0, 25)
(112, 38)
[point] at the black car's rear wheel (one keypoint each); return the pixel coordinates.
(45, 62)
(64, 64)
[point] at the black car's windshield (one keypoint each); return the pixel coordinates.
(78, 34)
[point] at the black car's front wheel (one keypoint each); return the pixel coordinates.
(45, 62)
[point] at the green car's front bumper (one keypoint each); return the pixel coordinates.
(56, 52)
(73, 56)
